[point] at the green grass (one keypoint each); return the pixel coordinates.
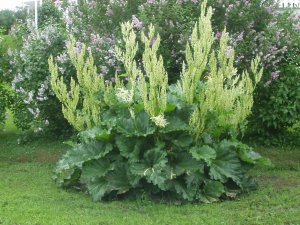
(29, 196)
(10, 126)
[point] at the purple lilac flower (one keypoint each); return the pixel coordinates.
(228, 51)
(240, 37)
(137, 23)
(78, 47)
(246, 2)
(275, 75)
(218, 35)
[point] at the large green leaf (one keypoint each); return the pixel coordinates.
(187, 193)
(153, 167)
(130, 148)
(252, 157)
(226, 165)
(213, 189)
(178, 120)
(109, 119)
(170, 108)
(139, 125)
(143, 125)
(67, 177)
(185, 163)
(157, 165)
(87, 151)
(195, 179)
(115, 180)
(204, 152)
(118, 178)
(75, 157)
(94, 169)
(98, 187)
(176, 96)
(156, 156)
(245, 153)
(184, 140)
(126, 127)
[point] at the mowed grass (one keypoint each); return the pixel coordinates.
(28, 195)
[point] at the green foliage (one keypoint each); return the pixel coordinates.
(173, 21)
(277, 107)
(150, 136)
(7, 19)
(127, 165)
(101, 17)
(48, 14)
(6, 42)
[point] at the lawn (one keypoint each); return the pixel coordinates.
(29, 196)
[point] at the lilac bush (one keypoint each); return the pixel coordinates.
(35, 106)
(277, 106)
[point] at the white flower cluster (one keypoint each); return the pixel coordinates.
(124, 95)
(159, 121)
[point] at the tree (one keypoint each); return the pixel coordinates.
(7, 19)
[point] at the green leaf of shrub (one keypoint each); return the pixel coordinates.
(138, 126)
(226, 165)
(214, 189)
(129, 148)
(205, 153)
(94, 169)
(184, 162)
(75, 158)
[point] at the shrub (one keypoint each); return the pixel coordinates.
(146, 136)
(35, 107)
(276, 107)
(26, 69)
